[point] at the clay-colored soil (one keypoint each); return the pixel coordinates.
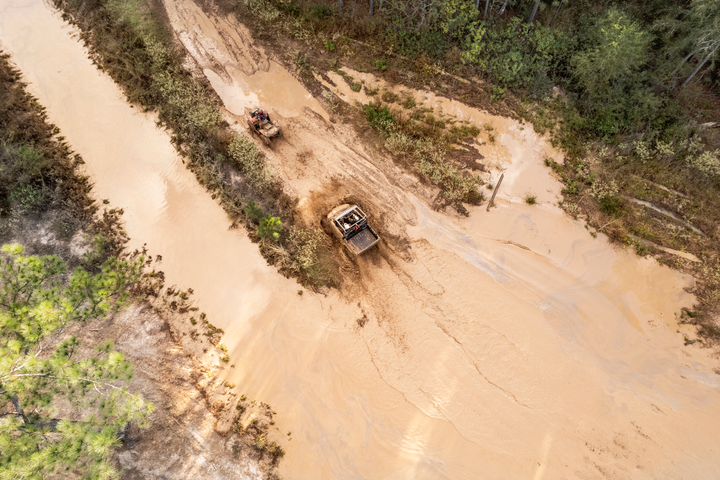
(509, 344)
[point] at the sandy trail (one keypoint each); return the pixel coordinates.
(505, 345)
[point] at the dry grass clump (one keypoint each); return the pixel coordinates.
(251, 162)
(312, 256)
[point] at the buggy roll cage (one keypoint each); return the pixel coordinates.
(356, 227)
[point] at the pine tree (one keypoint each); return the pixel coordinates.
(61, 412)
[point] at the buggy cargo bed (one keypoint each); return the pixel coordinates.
(364, 239)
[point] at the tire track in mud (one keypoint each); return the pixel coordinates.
(434, 309)
(409, 402)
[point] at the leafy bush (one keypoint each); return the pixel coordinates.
(320, 11)
(414, 43)
(600, 190)
(253, 211)
(270, 228)
(28, 197)
(379, 116)
(707, 162)
(515, 55)
(188, 101)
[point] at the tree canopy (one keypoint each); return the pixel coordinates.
(63, 409)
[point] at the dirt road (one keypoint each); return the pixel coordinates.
(510, 344)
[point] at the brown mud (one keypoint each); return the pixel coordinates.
(510, 344)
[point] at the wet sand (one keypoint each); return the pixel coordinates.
(505, 345)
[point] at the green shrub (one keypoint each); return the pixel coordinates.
(253, 211)
(611, 205)
(530, 199)
(381, 64)
(320, 11)
(498, 93)
(28, 197)
(707, 162)
(412, 43)
(329, 45)
(514, 55)
(188, 101)
(572, 188)
(379, 116)
(270, 228)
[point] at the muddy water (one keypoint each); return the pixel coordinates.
(240, 73)
(506, 345)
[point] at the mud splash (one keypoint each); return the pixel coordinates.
(506, 345)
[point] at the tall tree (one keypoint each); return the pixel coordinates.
(696, 30)
(618, 47)
(707, 57)
(557, 10)
(534, 11)
(502, 9)
(61, 410)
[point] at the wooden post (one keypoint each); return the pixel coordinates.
(495, 190)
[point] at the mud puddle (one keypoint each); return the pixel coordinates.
(506, 345)
(242, 74)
